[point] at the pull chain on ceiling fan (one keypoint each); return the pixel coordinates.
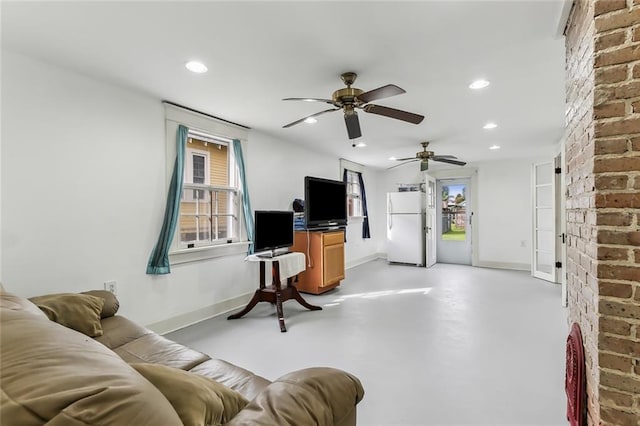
(349, 99)
(424, 156)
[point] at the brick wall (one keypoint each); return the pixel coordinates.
(582, 283)
(617, 202)
(603, 177)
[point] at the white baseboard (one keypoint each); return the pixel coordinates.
(504, 265)
(357, 262)
(184, 320)
(193, 317)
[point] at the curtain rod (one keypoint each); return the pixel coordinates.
(353, 162)
(204, 113)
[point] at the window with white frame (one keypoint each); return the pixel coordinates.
(211, 220)
(354, 194)
(209, 207)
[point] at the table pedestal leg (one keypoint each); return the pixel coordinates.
(253, 302)
(279, 310)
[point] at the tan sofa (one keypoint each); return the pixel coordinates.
(52, 374)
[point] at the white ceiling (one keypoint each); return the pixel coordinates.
(261, 52)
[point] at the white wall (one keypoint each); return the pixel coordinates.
(504, 213)
(276, 172)
(83, 193)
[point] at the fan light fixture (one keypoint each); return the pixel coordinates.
(425, 156)
(494, 147)
(197, 67)
(310, 120)
(479, 84)
(490, 126)
(349, 99)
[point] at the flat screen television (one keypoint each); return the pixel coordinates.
(273, 231)
(325, 203)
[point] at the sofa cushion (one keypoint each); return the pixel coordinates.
(118, 330)
(319, 396)
(80, 312)
(16, 303)
(111, 303)
(155, 349)
(240, 380)
(52, 374)
(197, 399)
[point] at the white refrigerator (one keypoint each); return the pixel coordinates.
(405, 227)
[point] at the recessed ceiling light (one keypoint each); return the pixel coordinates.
(310, 120)
(195, 66)
(494, 147)
(479, 84)
(490, 126)
(361, 145)
(392, 158)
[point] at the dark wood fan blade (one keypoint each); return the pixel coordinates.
(394, 113)
(453, 157)
(328, 101)
(353, 125)
(380, 93)
(446, 160)
(309, 116)
(424, 165)
(402, 164)
(408, 158)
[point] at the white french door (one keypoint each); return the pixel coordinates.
(544, 221)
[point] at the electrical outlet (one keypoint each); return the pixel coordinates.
(111, 286)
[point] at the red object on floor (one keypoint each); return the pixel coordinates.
(574, 381)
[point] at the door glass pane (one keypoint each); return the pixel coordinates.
(544, 261)
(544, 218)
(543, 196)
(431, 195)
(454, 215)
(543, 173)
(544, 240)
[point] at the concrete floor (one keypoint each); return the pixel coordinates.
(449, 345)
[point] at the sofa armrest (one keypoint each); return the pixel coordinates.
(320, 396)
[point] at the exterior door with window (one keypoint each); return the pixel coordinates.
(454, 220)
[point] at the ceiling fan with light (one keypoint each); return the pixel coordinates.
(424, 156)
(349, 99)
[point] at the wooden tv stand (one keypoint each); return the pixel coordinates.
(325, 259)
